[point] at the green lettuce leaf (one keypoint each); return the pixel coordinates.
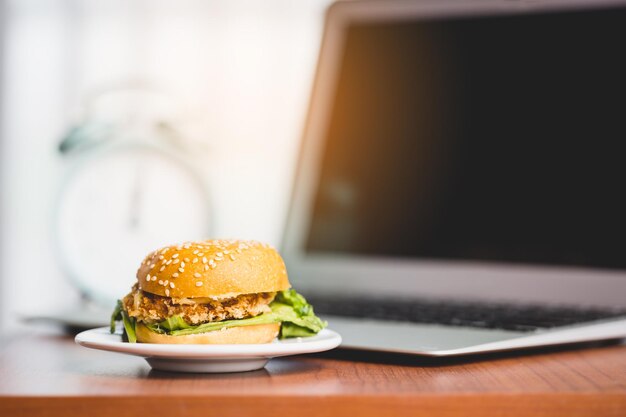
(174, 323)
(288, 314)
(116, 315)
(297, 315)
(218, 325)
(296, 301)
(292, 330)
(289, 308)
(129, 327)
(129, 322)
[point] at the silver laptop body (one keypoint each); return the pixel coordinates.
(330, 254)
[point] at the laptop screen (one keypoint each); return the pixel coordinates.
(492, 139)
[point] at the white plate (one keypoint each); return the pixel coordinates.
(208, 358)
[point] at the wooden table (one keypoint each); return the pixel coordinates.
(46, 374)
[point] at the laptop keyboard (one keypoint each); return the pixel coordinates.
(526, 318)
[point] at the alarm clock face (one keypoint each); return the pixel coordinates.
(119, 205)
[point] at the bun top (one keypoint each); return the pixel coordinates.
(213, 268)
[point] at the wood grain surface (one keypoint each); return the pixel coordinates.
(46, 374)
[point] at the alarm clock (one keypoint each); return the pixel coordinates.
(129, 187)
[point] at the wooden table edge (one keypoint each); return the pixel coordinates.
(571, 404)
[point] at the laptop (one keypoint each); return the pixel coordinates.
(460, 188)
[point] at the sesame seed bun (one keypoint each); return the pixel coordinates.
(261, 333)
(213, 268)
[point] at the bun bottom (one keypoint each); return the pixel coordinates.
(261, 333)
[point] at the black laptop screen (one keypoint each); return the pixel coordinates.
(488, 139)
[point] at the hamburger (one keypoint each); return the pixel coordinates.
(214, 292)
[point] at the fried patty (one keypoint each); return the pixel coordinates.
(150, 308)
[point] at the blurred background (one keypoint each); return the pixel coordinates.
(126, 125)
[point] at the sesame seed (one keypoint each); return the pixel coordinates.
(176, 261)
(204, 260)
(213, 266)
(160, 282)
(201, 254)
(226, 252)
(172, 285)
(167, 292)
(197, 275)
(181, 270)
(196, 252)
(198, 283)
(162, 268)
(232, 257)
(219, 254)
(186, 259)
(175, 275)
(166, 282)
(151, 266)
(148, 277)
(182, 264)
(206, 267)
(175, 256)
(153, 279)
(168, 262)
(161, 257)
(195, 260)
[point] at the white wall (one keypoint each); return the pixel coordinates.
(2, 43)
(242, 68)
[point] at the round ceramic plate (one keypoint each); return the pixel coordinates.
(208, 358)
